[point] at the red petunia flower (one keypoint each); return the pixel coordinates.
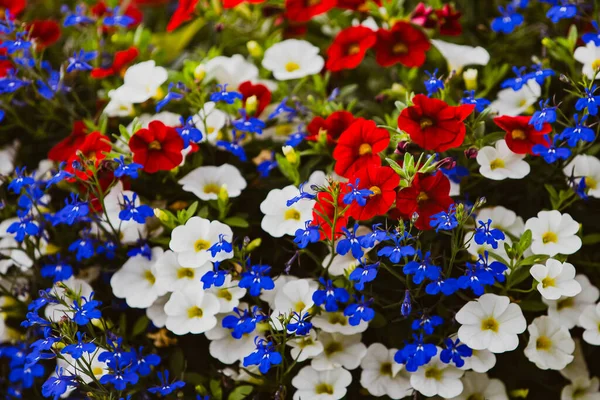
(383, 182)
(303, 10)
(403, 44)
(433, 124)
(183, 13)
(349, 48)
(325, 207)
(100, 9)
(157, 148)
(520, 136)
(359, 146)
(260, 91)
(233, 3)
(67, 147)
(428, 195)
(121, 60)
(356, 5)
(14, 7)
(44, 33)
(91, 150)
(332, 126)
(448, 18)
(5, 67)
(423, 16)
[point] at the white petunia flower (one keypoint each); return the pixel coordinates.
(499, 162)
(585, 167)
(555, 279)
(480, 386)
(172, 276)
(582, 388)
(481, 361)
(206, 182)
(210, 120)
(502, 218)
(230, 70)
(578, 367)
(550, 344)
(79, 368)
(491, 322)
(156, 312)
(305, 347)
(339, 351)
(191, 311)
(293, 59)
(337, 322)
(280, 281)
(281, 219)
(142, 81)
(7, 159)
(553, 233)
(117, 106)
(225, 347)
(590, 321)
(295, 296)
(54, 311)
(568, 309)
(382, 376)
(321, 385)
(129, 231)
(193, 240)
(458, 56)
(12, 255)
(437, 378)
(166, 117)
(228, 294)
(589, 56)
(341, 264)
(136, 282)
(513, 103)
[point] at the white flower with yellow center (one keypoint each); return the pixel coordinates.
(582, 388)
(228, 294)
(230, 71)
(225, 347)
(281, 219)
(587, 168)
(295, 296)
(55, 311)
(142, 81)
(117, 106)
(80, 368)
(13, 256)
(550, 344)
(210, 120)
(568, 309)
(136, 280)
(553, 233)
(129, 231)
(382, 376)
(305, 347)
(491, 322)
(499, 162)
(339, 351)
(590, 321)
(192, 241)
(458, 56)
(589, 56)
(191, 311)
(502, 218)
(513, 103)
(321, 385)
(280, 281)
(172, 276)
(481, 387)
(337, 322)
(481, 361)
(207, 182)
(555, 279)
(156, 312)
(166, 117)
(293, 59)
(437, 378)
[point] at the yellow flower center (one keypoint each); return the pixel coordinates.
(518, 134)
(549, 237)
(324, 388)
(292, 66)
(149, 276)
(590, 182)
(422, 197)
(305, 342)
(299, 306)
(365, 148)
(154, 145)
(284, 130)
(489, 324)
(212, 188)
(433, 373)
(353, 49)
(425, 122)
(333, 347)
(224, 294)
(543, 343)
(386, 369)
(195, 312)
(375, 189)
(399, 48)
(338, 318)
(566, 303)
(476, 396)
(186, 273)
(497, 163)
(292, 213)
(548, 282)
(210, 129)
(97, 371)
(596, 64)
(201, 244)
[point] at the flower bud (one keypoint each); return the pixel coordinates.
(446, 163)
(251, 105)
(471, 153)
(199, 73)
(406, 307)
(414, 217)
(254, 244)
(398, 89)
(223, 194)
(470, 78)
(254, 49)
(290, 154)
(219, 27)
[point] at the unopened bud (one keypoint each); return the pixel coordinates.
(251, 105)
(161, 215)
(398, 88)
(446, 163)
(414, 217)
(402, 147)
(290, 154)
(199, 72)
(380, 98)
(219, 27)
(480, 202)
(254, 49)
(223, 194)
(470, 78)
(471, 153)
(564, 78)
(406, 307)
(254, 244)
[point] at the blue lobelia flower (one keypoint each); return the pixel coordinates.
(415, 354)
(189, 132)
(76, 350)
(73, 211)
(592, 36)
(356, 195)
(20, 43)
(509, 20)
(248, 124)
(397, 251)
(296, 137)
(216, 277)
(539, 74)
(454, 352)
(427, 323)
(560, 11)
(166, 387)
(264, 356)
(141, 248)
(310, 234)
(517, 82)
(87, 311)
(363, 273)
(256, 279)
(79, 61)
(485, 234)
(299, 324)
(496, 268)
(551, 153)
(330, 295)
(283, 108)
(23, 227)
(57, 270)
(10, 83)
(406, 307)
(169, 97)
(223, 95)
(434, 83)
(220, 245)
(543, 116)
(444, 220)
(360, 311)
(234, 147)
(57, 385)
(350, 243)
(370, 239)
(60, 175)
(131, 211)
(20, 181)
(244, 323)
(76, 18)
(445, 286)
(143, 364)
(116, 19)
(120, 375)
(479, 103)
(301, 195)
(48, 88)
(130, 170)
(422, 269)
(589, 101)
(475, 278)
(264, 168)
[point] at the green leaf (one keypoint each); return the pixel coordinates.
(519, 275)
(140, 326)
(240, 392)
(524, 242)
(215, 389)
(172, 44)
(238, 222)
(194, 378)
(592, 238)
(192, 210)
(177, 362)
(287, 169)
(395, 166)
(532, 305)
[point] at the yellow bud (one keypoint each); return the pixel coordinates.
(58, 346)
(470, 78)
(398, 88)
(52, 249)
(251, 104)
(254, 244)
(161, 215)
(290, 154)
(98, 324)
(254, 49)
(223, 194)
(160, 93)
(199, 72)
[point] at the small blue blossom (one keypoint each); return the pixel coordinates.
(221, 245)
(24, 227)
(248, 124)
(301, 195)
(415, 354)
(487, 235)
(552, 153)
(443, 220)
(26, 374)
(422, 269)
(169, 97)
(509, 20)
(256, 279)
(479, 103)
(143, 364)
(50, 87)
(57, 385)
(264, 356)
(142, 248)
(60, 175)
(139, 214)
(592, 36)
(350, 243)
(87, 311)
(369, 240)
(496, 268)
(189, 132)
(363, 273)
(76, 18)
(264, 168)
(545, 115)
(560, 11)
(223, 95)
(166, 387)
(216, 277)
(76, 350)
(433, 84)
(57, 270)
(282, 108)
(357, 195)
(10, 84)
(396, 252)
(299, 324)
(21, 180)
(19, 43)
(360, 311)
(73, 211)
(330, 295)
(589, 101)
(120, 376)
(455, 352)
(517, 82)
(234, 147)
(244, 323)
(406, 307)
(539, 74)
(296, 138)
(475, 278)
(46, 342)
(445, 286)
(310, 234)
(130, 170)
(117, 19)
(79, 61)
(108, 248)
(427, 323)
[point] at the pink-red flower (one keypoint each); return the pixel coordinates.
(359, 147)
(259, 91)
(520, 136)
(14, 7)
(303, 10)
(121, 60)
(88, 154)
(183, 13)
(44, 32)
(157, 148)
(448, 20)
(383, 182)
(349, 48)
(64, 149)
(433, 124)
(423, 16)
(402, 44)
(332, 126)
